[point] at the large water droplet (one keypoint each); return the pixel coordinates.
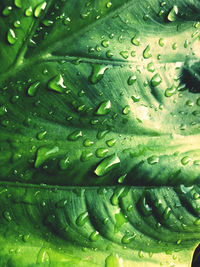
(94, 236)
(82, 218)
(146, 52)
(113, 260)
(33, 88)
(11, 37)
(156, 80)
(104, 108)
(75, 135)
(44, 153)
(101, 152)
(131, 80)
(57, 84)
(39, 8)
(97, 73)
(172, 15)
(107, 165)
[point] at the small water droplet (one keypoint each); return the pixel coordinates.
(174, 46)
(17, 24)
(124, 54)
(135, 98)
(172, 15)
(43, 257)
(7, 216)
(82, 219)
(101, 152)
(185, 160)
(156, 80)
(28, 12)
(85, 156)
(88, 143)
(126, 110)
(116, 196)
(61, 203)
(64, 163)
(161, 42)
(135, 40)
(126, 239)
(106, 165)
(144, 206)
(41, 135)
(11, 37)
(170, 91)
(33, 88)
(44, 153)
(7, 11)
(105, 43)
(18, 3)
(109, 4)
(146, 52)
(121, 179)
(109, 54)
(57, 84)
(74, 136)
(111, 142)
(131, 80)
(3, 110)
(94, 236)
(150, 67)
(104, 108)
(102, 134)
(166, 214)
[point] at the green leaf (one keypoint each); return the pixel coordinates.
(96, 95)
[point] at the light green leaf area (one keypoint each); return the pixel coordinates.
(99, 132)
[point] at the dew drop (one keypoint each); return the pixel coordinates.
(170, 91)
(88, 143)
(82, 219)
(3, 110)
(124, 54)
(39, 8)
(7, 216)
(161, 42)
(105, 43)
(17, 24)
(104, 108)
(41, 135)
(126, 239)
(198, 101)
(33, 88)
(135, 40)
(172, 15)
(101, 152)
(97, 73)
(43, 257)
(29, 12)
(116, 196)
(94, 236)
(85, 156)
(109, 54)
(150, 67)
(126, 110)
(44, 153)
(166, 214)
(135, 98)
(156, 80)
(146, 52)
(7, 11)
(113, 260)
(61, 203)
(11, 37)
(109, 4)
(144, 206)
(18, 3)
(57, 84)
(185, 160)
(74, 136)
(64, 163)
(107, 165)
(131, 80)
(111, 142)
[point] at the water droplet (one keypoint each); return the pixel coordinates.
(109, 54)
(101, 152)
(102, 134)
(156, 80)
(74, 136)
(135, 40)
(144, 206)
(43, 257)
(198, 101)
(11, 37)
(153, 160)
(197, 162)
(57, 84)
(7, 11)
(150, 67)
(189, 103)
(126, 110)
(166, 214)
(197, 222)
(97, 73)
(17, 24)
(126, 239)
(82, 219)
(107, 165)
(105, 43)
(141, 254)
(85, 156)
(174, 46)
(18, 3)
(94, 236)
(28, 12)
(131, 80)
(170, 91)
(121, 178)
(172, 15)
(161, 42)
(104, 108)
(33, 88)
(41, 135)
(185, 160)
(7, 216)
(135, 98)
(113, 260)
(120, 220)
(146, 52)
(111, 142)
(3, 110)
(196, 113)
(109, 4)
(66, 21)
(64, 163)
(61, 203)
(116, 196)
(124, 54)
(39, 8)
(88, 143)
(44, 153)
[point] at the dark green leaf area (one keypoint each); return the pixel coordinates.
(153, 225)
